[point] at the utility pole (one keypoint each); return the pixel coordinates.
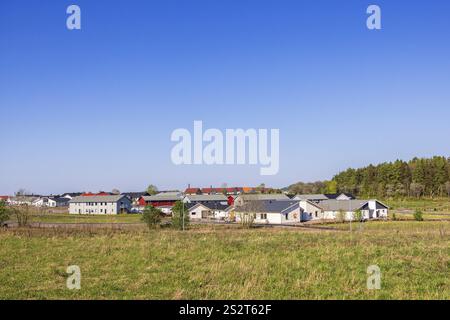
(183, 216)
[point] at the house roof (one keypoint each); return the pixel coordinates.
(134, 195)
(259, 196)
(218, 205)
(345, 205)
(207, 197)
(72, 194)
(312, 197)
(61, 199)
(192, 190)
(84, 199)
(336, 195)
(164, 196)
(270, 206)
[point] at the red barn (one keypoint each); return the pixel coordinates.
(163, 199)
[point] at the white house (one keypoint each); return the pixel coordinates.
(370, 209)
(22, 200)
(100, 204)
(218, 211)
(270, 211)
(51, 202)
(311, 210)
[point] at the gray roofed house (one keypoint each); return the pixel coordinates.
(204, 198)
(112, 204)
(213, 210)
(311, 197)
(346, 205)
(370, 209)
(241, 199)
(164, 196)
(270, 211)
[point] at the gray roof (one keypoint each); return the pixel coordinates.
(264, 196)
(345, 205)
(311, 197)
(85, 199)
(61, 199)
(270, 206)
(164, 196)
(217, 205)
(207, 197)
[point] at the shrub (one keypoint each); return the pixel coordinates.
(4, 213)
(152, 216)
(22, 214)
(418, 215)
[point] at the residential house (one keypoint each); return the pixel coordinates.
(5, 199)
(311, 197)
(340, 196)
(135, 196)
(23, 200)
(212, 210)
(100, 204)
(243, 198)
(206, 198)
(51, 202)
(317, 198)
(163, 201)
(71, 195)
(370, 209)
(270, 211)
(311, 210)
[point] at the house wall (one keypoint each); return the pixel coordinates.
(273, 217)
(99, 207)
(310, 211)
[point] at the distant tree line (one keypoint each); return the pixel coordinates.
(419, 177)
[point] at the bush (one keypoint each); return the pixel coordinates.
(22, 214)
(152, 216)
(4, 213)
(418, 215)
(180, 220)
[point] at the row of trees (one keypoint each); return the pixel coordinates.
(419, 177)
(313, 187)
(428, 177)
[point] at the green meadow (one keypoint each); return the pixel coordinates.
(228, 262)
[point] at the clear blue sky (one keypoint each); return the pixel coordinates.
(94, 109)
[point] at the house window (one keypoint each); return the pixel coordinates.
(263, 216)
(194, 213)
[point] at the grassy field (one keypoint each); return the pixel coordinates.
(226, 262)
(426, 205)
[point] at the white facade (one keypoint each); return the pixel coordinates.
(99, 205)
(370, 209)
(311, 211)
(292, 216)
(201, 211)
